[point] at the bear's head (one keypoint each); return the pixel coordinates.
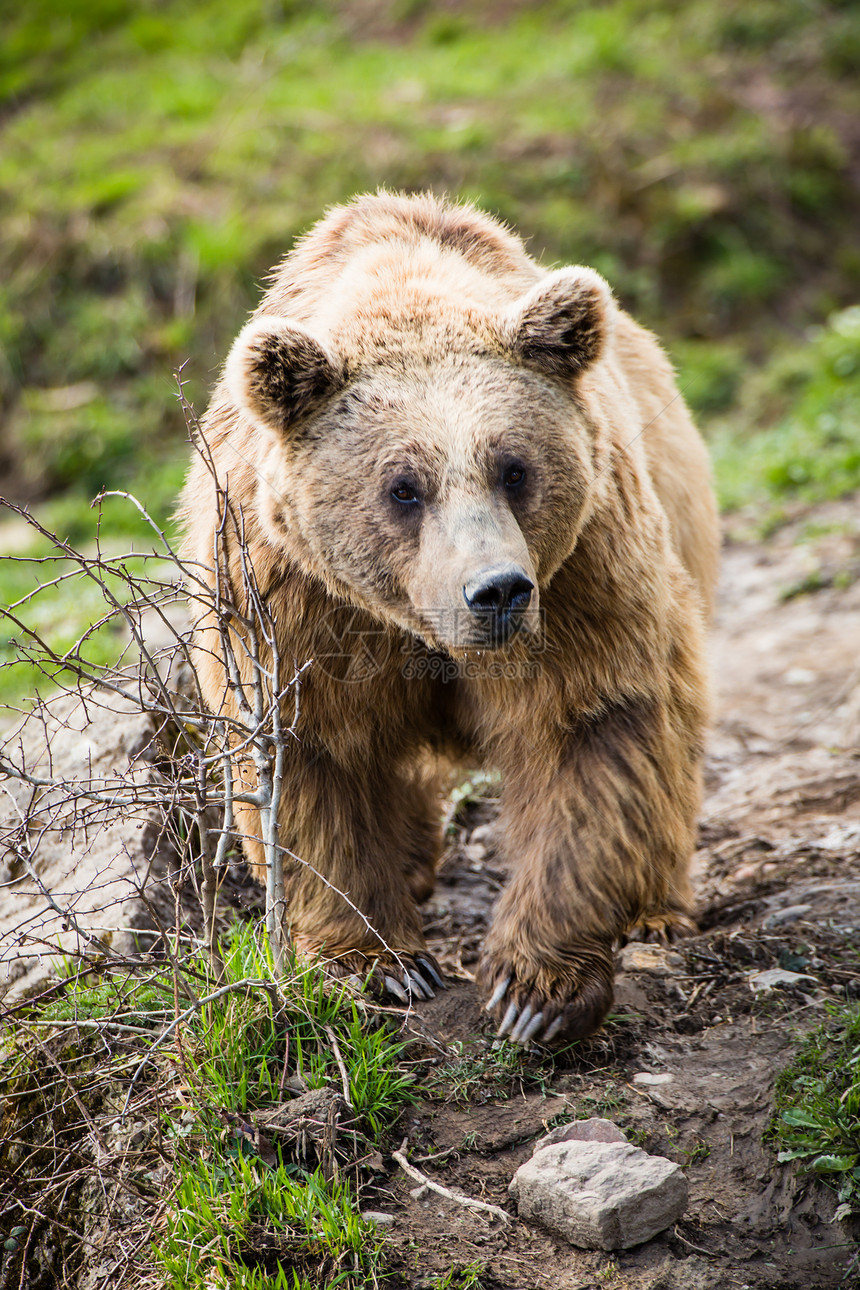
(431, 460)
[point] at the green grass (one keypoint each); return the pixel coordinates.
(794, 435)
(234, 1218)
(239, 1058)
(817, 1121)
(62, 597)
(236, 1045)
(252, 1224)
(480, 1072)
(233, 1222)
(467, 1276)
(155, 162)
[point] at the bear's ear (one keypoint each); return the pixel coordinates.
(563, 324)
(277, 371)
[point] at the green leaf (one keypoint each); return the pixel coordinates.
(785, 1156)
(833, 1164)
(802, 1118)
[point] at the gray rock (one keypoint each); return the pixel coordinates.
(600, 1195)
(779, 978)
(780, 917)
(594, 1130)
(652, 1079)
(71, 867)
(376, 1216)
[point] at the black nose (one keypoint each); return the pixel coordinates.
(500, 597)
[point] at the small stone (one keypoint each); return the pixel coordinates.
(594, 1130)
(651, 1079)
(600, 1195)
(776, 978)
(791, 914)
(377, 1216)
(800, 676)
(650, 958)
(483, 836)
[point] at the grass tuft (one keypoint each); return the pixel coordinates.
(817, 1121)
(234, 1222)
(254, 1202)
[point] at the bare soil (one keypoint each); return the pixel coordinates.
(778, 881)
(687, 1062)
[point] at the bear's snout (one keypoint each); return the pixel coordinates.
(499, 597)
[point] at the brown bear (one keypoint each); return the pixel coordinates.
(478, 478)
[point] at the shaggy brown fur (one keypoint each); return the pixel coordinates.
(442, 450)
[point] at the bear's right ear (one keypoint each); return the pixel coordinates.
(277, 371)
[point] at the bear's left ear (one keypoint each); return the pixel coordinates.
(564, 323)
(277, 371)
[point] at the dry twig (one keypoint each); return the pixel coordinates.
(457, 1197)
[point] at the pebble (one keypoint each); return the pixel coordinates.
(600, 1195)
(790, 914)
(650, 1079)
(377, 1216)
(650, 958)
(778, 977)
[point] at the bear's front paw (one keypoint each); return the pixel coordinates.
(406, 978)
(550, 1002)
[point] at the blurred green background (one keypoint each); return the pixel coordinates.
(158, 156)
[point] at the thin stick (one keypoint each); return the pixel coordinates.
(332, 1038)
(446, 1191)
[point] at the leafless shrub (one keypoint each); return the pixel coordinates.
(136, 832)
(185, 781)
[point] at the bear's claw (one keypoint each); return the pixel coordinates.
(405, 979)
(433, 972)
(560, 1008)
(522, 1027)
(416, 984)
(527, 1027)
(395, 988)
(498, 994)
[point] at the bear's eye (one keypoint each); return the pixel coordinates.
(514, 476)
(404, 492)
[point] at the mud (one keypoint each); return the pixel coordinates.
(688, 1061)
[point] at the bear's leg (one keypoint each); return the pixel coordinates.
(425, 811)
(599, 829)
(359, 841)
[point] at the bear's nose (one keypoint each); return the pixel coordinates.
(500, 597)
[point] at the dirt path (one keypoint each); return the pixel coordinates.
(688, 1068)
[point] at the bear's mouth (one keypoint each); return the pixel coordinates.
(463, 633)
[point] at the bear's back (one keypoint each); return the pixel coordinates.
(419, 231)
